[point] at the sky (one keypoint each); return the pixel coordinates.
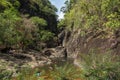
(58, 4)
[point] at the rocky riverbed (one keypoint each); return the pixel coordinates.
(16, 60)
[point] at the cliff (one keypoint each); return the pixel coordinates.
(75, 43)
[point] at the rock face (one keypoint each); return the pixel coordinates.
(75, 43)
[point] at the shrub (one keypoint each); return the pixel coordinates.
(100, 66)
(65, 72)
(40, 22)
(61, 24)
(27, 74)
(8, 33)
(97, 15)
(46, 35)
(5, 75)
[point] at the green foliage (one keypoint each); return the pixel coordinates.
(5, 75)
(30, 74)
(4, 4)
(65, 72)
(17, 29)
(8, 24)
(113, 21)
(61, 24)
(100, 66)
(15, 3)
(45, 6)
(46, 35)
(40, 22)
(42, 9)
(27, 74)
(68, 5)
(43, 35)
(94, 15)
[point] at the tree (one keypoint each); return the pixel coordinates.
(24, 23)
(95, 15)
(8, 27)
(41, 8)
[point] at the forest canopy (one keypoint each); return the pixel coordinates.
(95, 15)
(26, 22)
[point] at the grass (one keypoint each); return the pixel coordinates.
(93, 66)
(100, 66)
(65, 72)
(5, 75)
